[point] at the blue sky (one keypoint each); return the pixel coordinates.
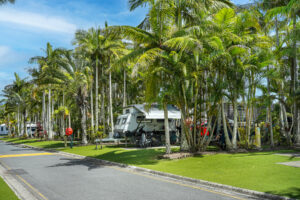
(28, 25)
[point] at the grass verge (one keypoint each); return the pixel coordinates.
(256, 171)
(6, 192)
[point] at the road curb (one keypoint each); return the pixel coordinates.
(262, 195)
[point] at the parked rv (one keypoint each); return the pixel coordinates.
(31, 128)
(146, 127)
(3, 129)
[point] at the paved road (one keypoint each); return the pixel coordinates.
(57, 177)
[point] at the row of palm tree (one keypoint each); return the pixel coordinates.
(198, 55)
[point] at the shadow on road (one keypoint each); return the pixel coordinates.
(87, 162)
(134, 157)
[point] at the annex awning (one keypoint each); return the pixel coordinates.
(156, 112)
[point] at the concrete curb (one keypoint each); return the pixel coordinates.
(262, 195)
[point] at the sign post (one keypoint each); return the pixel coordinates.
(69, 132)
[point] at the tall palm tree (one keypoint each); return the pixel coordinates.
(47, 67)
(291, 9)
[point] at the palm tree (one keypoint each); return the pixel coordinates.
(291, 10)
(47, 67)
(18, 97)
(75, 74)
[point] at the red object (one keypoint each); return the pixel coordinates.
(69, 131)
(204, 131)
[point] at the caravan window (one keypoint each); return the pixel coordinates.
(1, 128)
(124, 120)
(118, 121)
(163, 121)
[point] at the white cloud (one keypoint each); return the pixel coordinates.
(4, 51)
(8, 56)
(36, 20)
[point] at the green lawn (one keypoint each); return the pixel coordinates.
(36, 142)
(6, 192)
(255, 171)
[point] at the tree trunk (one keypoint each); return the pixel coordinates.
(53, 121)
(92, 110)
(295, 84)
(9, 130)
(167, 133)
(235, 125)
(270, 114)
(124, 90)
(110, 104)
(18, 122)
(102, 113)
(44, 111)
(227, 139)
(83, 125)
(97, 97)
(25, 123)
(50, 136)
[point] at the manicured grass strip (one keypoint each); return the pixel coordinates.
(5, 192)
(36, 142)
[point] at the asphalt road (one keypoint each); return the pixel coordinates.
(57, 177)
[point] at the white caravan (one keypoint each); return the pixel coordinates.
(3, 129)
(31, 128)
(136, 120)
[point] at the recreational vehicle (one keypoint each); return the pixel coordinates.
(3, 129)
(31, 128)
(145, 126)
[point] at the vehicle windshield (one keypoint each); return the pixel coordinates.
(124, 120)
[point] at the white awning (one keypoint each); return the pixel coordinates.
(155, 112)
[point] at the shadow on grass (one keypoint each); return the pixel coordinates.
(89, 163)
(132, 157)
(53, 145)
(293, 192)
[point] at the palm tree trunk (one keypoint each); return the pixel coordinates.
(97, 97)
(124, 90)
(54, 118)
(167, 133)
(235, 125)
(92, 110)
(269, 113)
(102, 113)
(9, 129)
(110, 105)
(227, 139)
(44, 111)
(83, 124)
(50, 136)
(18, 122)
(295, 83)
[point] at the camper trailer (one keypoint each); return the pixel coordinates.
(3, 129)
(146, 127)
(31, 128)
